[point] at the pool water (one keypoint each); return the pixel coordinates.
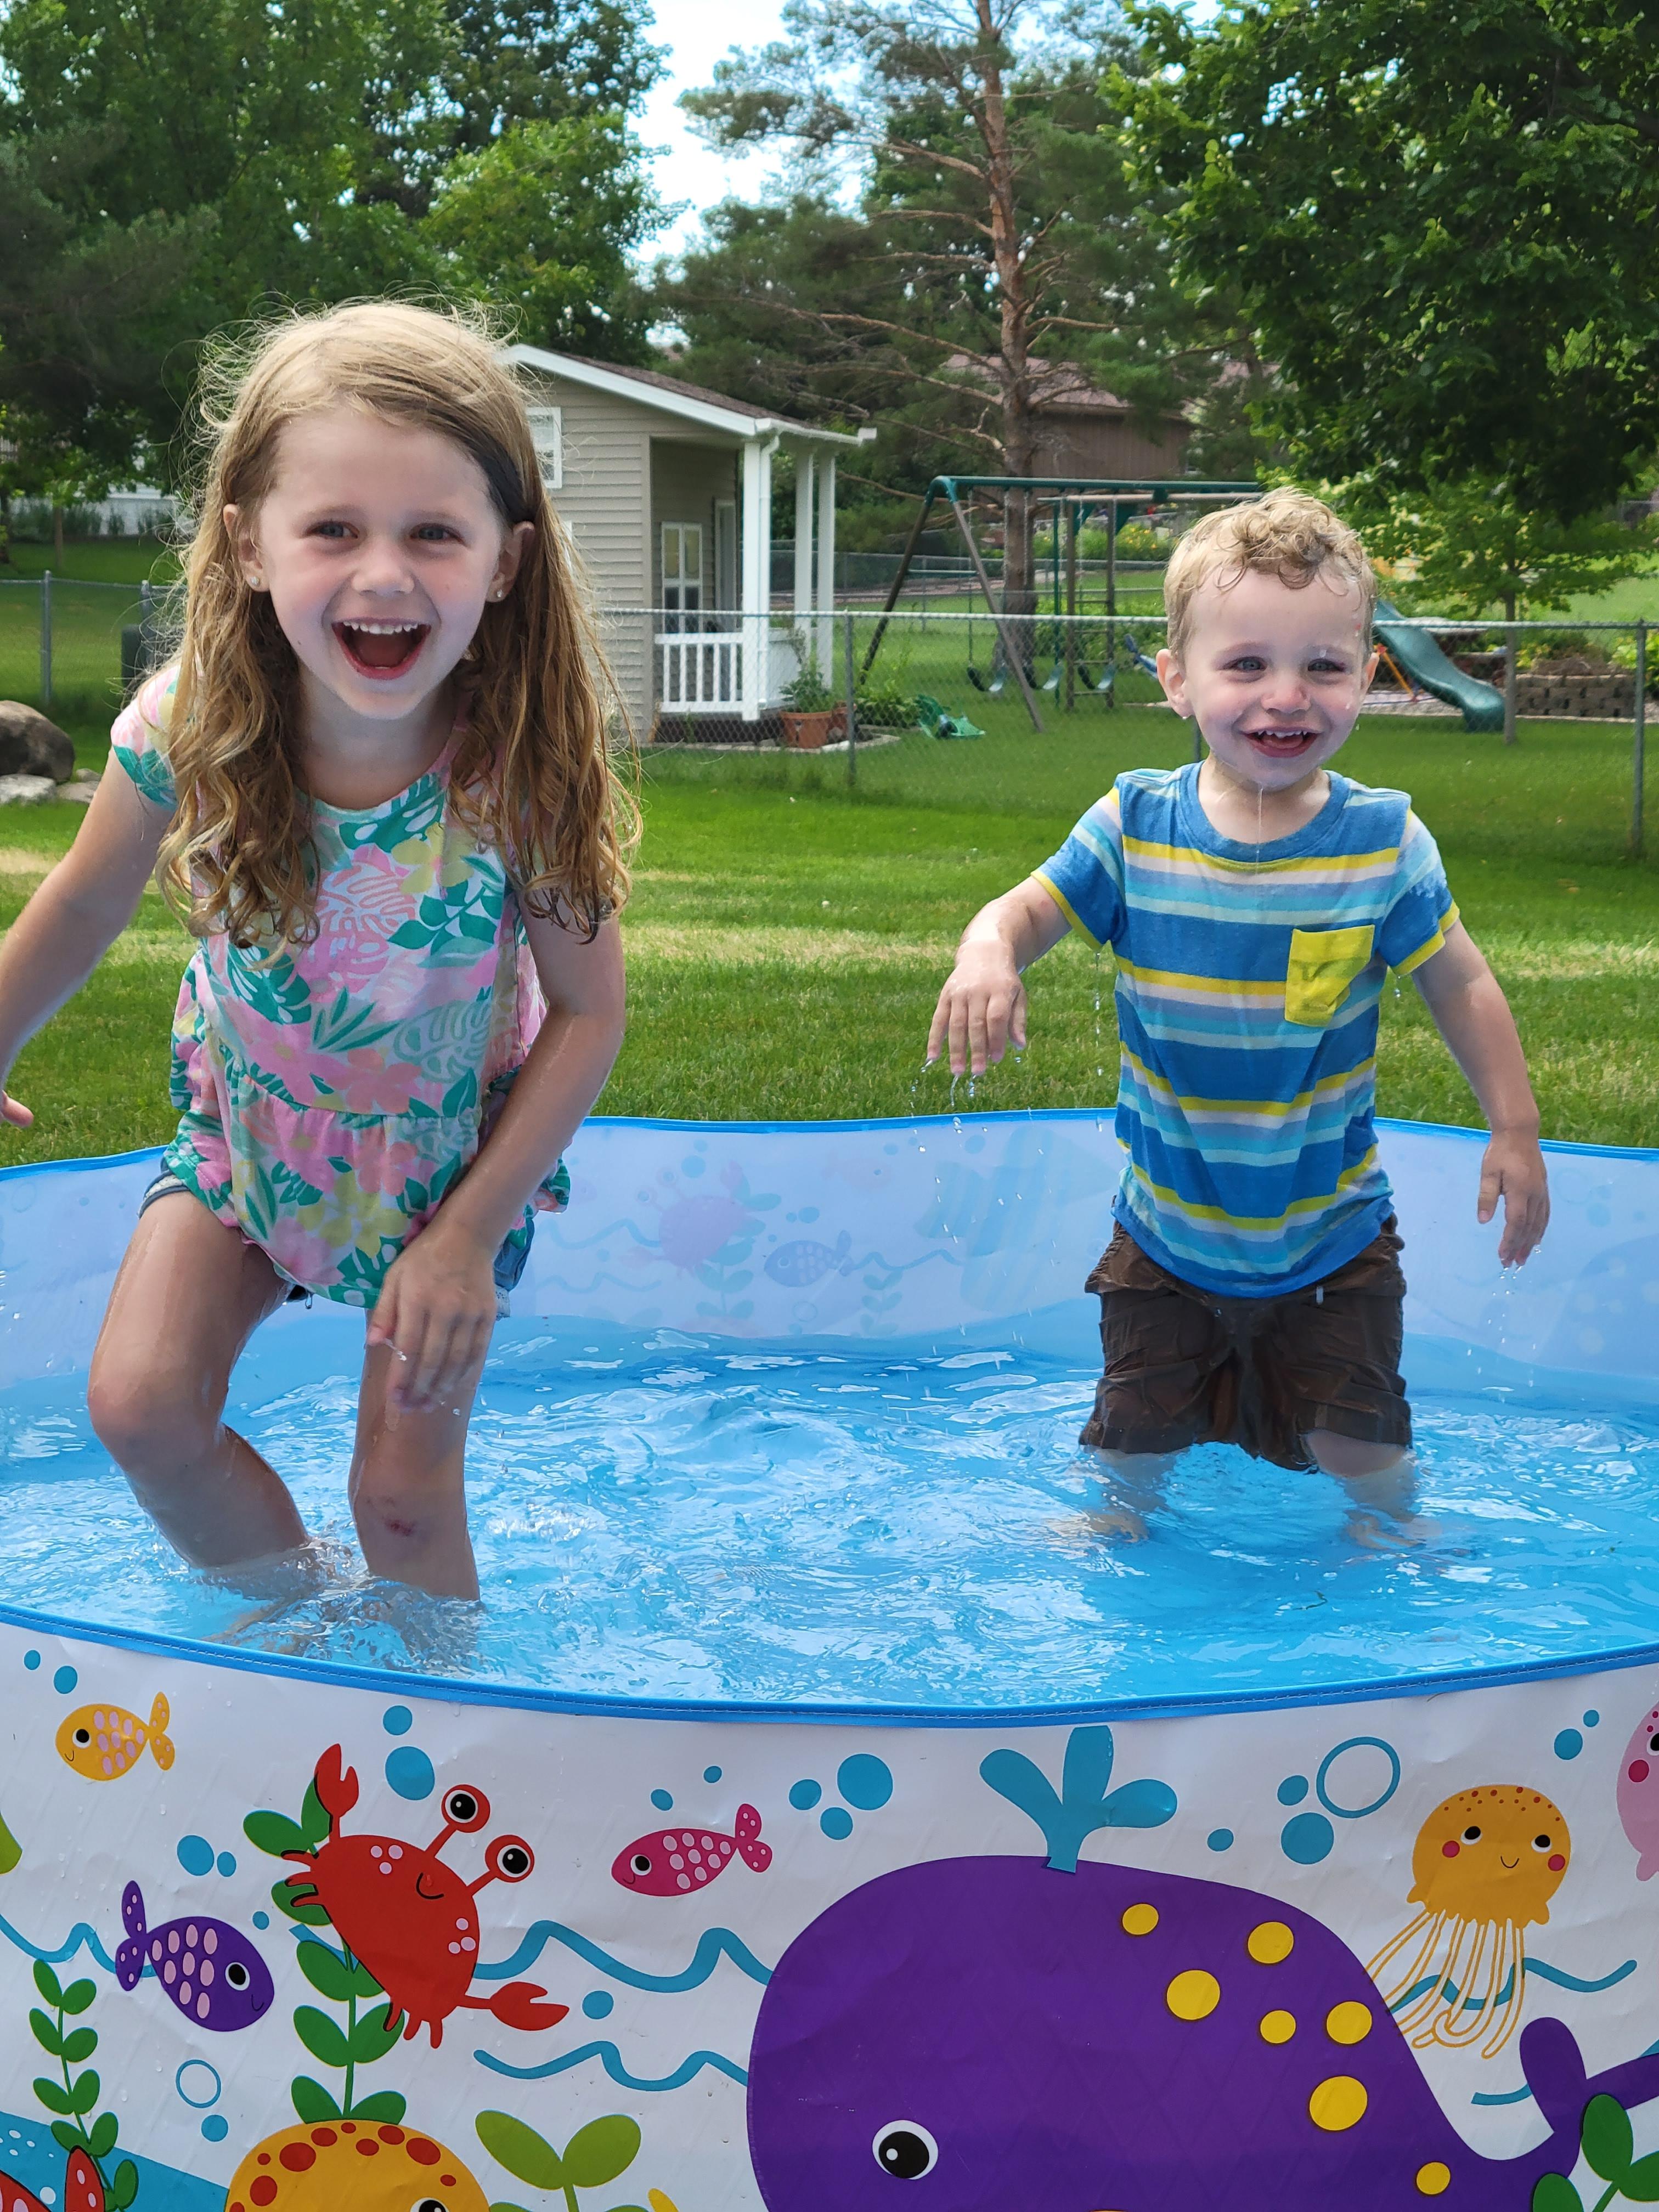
(666, 1517)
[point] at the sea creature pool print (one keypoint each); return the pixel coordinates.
(104, 1743)
(678, 1861)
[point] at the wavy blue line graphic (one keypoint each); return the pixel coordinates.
(1509, 2096)
(78, 1935)
(712, 1945)
(1541, 1967)
(610, 2058)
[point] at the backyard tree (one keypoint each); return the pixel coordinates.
(993, 234)
(292, 154)
(540, 223)
(541, 61)
(1445, 230)
(1469, 547)
(81, 338)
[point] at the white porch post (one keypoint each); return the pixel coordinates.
(805, 483)
(826, 591)
(757, 594)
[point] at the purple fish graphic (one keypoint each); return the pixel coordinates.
(796, 1266)
(209, 1969)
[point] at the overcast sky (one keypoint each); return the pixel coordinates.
(697, 32)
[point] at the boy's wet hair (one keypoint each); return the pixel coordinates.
(1287, 534)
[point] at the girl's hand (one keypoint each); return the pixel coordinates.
(1513, 1169)
(436, 1310)
(14, 1110)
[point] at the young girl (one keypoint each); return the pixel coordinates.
(377, 789)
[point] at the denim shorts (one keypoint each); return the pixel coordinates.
(509, 1262)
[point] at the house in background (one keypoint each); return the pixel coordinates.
(666, 492)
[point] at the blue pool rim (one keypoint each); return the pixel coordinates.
(1071, 1713)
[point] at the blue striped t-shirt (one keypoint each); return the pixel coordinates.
(1247, 983)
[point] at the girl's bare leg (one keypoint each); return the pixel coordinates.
(407, 1484)
(189, 1295)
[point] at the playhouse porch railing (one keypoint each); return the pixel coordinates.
(699, 671)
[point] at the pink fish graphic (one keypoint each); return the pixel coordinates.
(673, 1861)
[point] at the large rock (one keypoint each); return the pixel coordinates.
(30, 745)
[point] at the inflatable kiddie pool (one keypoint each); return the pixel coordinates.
(284, 1933)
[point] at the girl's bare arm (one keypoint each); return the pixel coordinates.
(438, 1306)
(75, 916)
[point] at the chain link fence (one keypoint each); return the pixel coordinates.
(942, 704)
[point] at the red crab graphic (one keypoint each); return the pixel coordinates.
(410, 1918)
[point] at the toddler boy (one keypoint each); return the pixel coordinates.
(1252, 1291)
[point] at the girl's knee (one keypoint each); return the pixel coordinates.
(142, 1413)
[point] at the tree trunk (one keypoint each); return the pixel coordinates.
(1018, 437)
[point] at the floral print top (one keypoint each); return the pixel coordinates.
(332, 1093)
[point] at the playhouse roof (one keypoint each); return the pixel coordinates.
(690, 403)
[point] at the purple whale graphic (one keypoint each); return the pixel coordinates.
(1012, 2034)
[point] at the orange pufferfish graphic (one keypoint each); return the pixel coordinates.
(1485, 1865)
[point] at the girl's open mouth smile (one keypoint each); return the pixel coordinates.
(382, 650)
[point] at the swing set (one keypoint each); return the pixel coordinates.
(1074, 500)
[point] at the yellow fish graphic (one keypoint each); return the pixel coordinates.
(103, 1742)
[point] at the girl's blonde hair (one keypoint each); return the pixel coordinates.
(533, 772)
(1287, 534)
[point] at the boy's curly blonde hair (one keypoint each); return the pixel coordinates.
(1287, 534)
(533, 772)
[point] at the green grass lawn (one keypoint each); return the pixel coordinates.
(96, 560)
(785, 946)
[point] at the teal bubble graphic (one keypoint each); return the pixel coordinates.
(804, 1796)
(1221, 1839)
(397, 1720)
(836, 1824)
(32, 1660)
(1592, 1718)
(1292, 1789)
(196, 1855)
(261, 1920)
(198, 2083)
(226, 1863)
(599, 2004)
(662, 1801)
(1568, 1744)
(711, 1774)
(865, 1781)
(215, 2127)
(409, 1773)
(64, 1680)
(1307, 1838)
(1376, 1805)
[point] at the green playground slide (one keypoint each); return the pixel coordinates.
(1421, 662)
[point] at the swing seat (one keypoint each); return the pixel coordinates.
(936, 722)
(993, 686)
(1146, 667)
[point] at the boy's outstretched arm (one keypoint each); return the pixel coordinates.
(1473, 1015)
(982, 1005)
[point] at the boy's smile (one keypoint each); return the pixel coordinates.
(1274, 676)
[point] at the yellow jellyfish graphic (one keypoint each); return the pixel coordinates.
(1485, 1865)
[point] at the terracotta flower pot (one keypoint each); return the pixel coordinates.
(806, 733)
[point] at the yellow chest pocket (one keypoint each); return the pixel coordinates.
(1323, 963)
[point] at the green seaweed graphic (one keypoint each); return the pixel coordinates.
(72, 2097)
(1609, 2147)
(594, 2156)
(366, 2033)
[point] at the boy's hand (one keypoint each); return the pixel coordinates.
(436, 1310)
(14, 1110)
(980, 1008)
(1513, 1169)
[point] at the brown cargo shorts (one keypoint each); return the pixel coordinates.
(1186, 1366)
